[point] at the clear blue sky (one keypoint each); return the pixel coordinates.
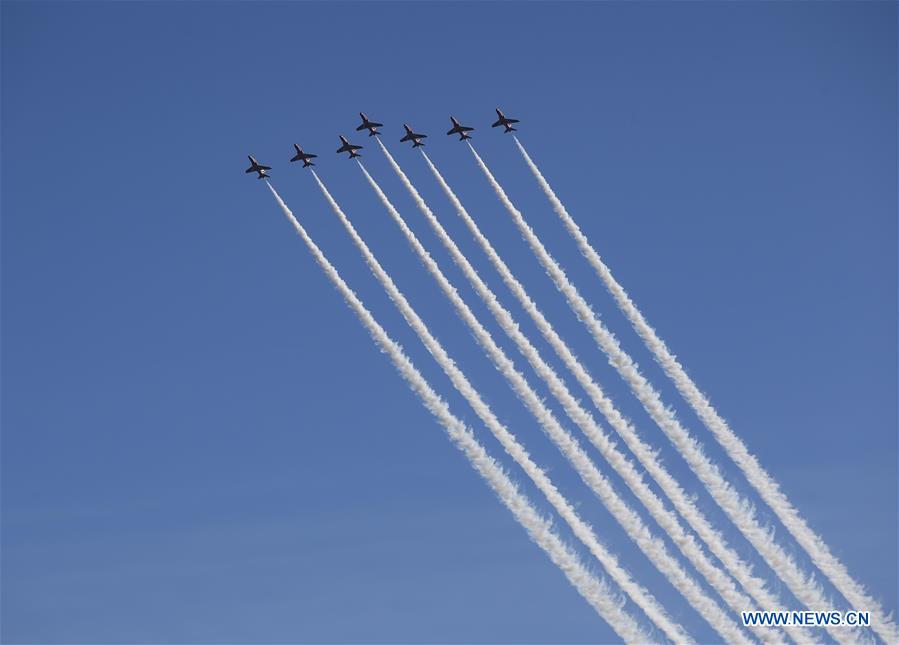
(201, 444)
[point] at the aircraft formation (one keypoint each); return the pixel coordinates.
(715, 580)
(373, 130)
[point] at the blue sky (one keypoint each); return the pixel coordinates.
(201, 444)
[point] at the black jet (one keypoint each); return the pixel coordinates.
(460, 129)
(371, 126)
(255, 166)
(503, 121)
(348, 147)
(303, 156)
(414, 137)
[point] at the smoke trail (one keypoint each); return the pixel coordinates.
(596, 592)
(757, 476)
(738, 509)
(653, 547)
(640, 596)
(597, 437)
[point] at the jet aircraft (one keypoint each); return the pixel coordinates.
(303, 156)
(348, 147)
(414, 137)
(255, 166)
(505, 122)
(371, 126)
(460, 129)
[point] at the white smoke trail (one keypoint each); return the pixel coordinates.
(591, 429)
(758, 477)
(594, 591)
(581, 529)
(653, 547)
(641, 597)
(738, 509)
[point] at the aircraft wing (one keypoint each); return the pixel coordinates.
(366, 125)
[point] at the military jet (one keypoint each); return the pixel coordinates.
(505, 122)
(255, 166)
(413, 137)
(371, 126)
(460, 129)
(348, 147)
(303, 156)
